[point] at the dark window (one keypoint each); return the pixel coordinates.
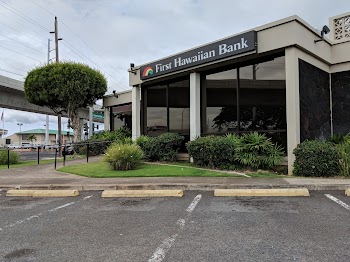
(179, 107)
(157, 110)
(220, 95)
(261, 90)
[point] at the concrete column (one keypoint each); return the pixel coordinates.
(195, 106)
(136, 109)
(292, 104)
(107, 119)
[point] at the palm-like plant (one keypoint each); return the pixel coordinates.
(31, 137)
(256, 150)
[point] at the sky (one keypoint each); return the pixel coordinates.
(108, 35)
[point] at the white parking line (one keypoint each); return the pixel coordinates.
(87, 197)
(194, 203)
(63, 206)
(336, 200)
(160, 252)
(19, 222)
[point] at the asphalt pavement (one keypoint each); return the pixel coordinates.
(196, 227)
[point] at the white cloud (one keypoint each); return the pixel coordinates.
(126, 31)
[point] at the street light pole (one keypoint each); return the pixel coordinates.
(20, 135)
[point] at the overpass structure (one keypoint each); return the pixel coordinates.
(12, 97)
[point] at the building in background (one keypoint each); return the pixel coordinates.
(117, 110)
(21, 139)
(3, 133)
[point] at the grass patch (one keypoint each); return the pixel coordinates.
(101, 169)
(266, 175)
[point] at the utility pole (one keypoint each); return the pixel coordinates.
(59, 124)
(47, 116)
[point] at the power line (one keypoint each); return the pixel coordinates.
(20, 53)
(117, 70)
(24, 16)
(23, 33)
(22, 43)
(43, 8)
(14, 68)
(11, 72)
(93, 50)
(20, 24)
(72, 47)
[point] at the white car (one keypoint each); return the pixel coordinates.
(12, 146)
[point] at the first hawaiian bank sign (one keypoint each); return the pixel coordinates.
(224, 48)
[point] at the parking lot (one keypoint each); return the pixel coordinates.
(196, 227)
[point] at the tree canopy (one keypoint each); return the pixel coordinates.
(65, 86)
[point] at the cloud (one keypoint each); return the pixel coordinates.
(113, 34)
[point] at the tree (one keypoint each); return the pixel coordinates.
(65, 87)
(32, 137)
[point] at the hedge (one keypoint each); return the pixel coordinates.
(316, 159)
(212, 151)
(163, 148)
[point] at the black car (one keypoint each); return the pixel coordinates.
(68, 150)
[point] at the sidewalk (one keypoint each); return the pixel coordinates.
(45, 177)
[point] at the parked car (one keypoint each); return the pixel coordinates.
(25, 145)
(68, 150)
(12, 146)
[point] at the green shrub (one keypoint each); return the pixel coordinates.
(212, 151)
(14, 157)
(162, 148)
(255, 150)
(123, 156)
(316, 159)
(339, 138)
(107, 135)
(99, 142)
(149, 147)
(168, 145)
(344, 158)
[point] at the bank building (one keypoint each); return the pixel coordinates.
(285, 79)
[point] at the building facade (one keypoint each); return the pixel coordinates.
(284, 79)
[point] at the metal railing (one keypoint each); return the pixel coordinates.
(76, 147)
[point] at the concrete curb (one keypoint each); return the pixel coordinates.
(347, 192)
(42, 193)
(182, 186)
(142, 193)
(275, 192)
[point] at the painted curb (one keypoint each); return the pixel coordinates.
(283, 192)
(347, 192)
(183, 186)
(142, 193)
(42, 193)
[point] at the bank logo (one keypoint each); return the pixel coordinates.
(147, 71)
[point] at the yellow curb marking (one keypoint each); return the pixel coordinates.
(42, 193)
(262, 192)
(142, 193)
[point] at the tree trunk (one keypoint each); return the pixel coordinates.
(75, 124)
